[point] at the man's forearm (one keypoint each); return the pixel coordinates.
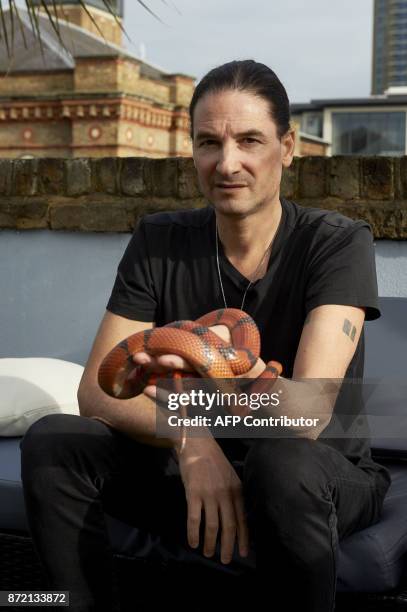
(310, 399)
(135, 417)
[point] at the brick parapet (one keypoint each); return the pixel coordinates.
(109, 194)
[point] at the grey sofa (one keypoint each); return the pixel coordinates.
(372, 563)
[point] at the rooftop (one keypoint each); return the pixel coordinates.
(395, 97)
(78, 43)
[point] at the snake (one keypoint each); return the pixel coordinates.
(208, 354)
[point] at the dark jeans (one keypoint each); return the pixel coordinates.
(301, 497)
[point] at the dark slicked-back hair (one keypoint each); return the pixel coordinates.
(250, 76)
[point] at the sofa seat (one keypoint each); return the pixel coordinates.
(370, 560)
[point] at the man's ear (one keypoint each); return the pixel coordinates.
(288, 147)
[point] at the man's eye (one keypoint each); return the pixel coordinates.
(250, 140)
(206, 143)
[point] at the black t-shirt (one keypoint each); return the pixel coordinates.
(169, 272)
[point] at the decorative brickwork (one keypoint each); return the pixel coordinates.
(106, 23)
(93, 100)
(110, 194)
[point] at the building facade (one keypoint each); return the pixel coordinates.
(375, 125)
(361, 126)
(96, 19)
(89, 97)
(389, 66)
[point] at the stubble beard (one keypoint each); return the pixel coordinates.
(242, 210)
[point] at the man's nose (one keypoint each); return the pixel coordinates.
(228, 161)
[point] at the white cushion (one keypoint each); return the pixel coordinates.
(31, 387)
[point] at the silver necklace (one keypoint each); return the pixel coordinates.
(254, 274)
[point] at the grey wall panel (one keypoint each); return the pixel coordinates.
(391, 265)
(54, 287)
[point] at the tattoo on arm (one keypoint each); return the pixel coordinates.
(349, 329)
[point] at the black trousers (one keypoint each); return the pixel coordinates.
(301, 497)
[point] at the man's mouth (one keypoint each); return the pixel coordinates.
(230, 186)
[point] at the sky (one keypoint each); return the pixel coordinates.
(318, 48)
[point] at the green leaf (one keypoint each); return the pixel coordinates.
(52, 16)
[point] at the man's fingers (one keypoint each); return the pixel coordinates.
(141, 358)
(229, 527)
(255, 371)
(157, 392)
(173, 362)
(150, 363)
(242, 529)
(211, 528)
(194, 521)
(161, 363)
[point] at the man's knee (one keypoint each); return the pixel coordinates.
(53, 438)
(51, 428)
(284, 467)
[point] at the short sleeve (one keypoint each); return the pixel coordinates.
(133, 295)
(343, 271)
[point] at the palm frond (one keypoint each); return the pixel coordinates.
(32, 21)
(53, 19)
(173, 5)
(35, 25)
(117, 20)
(144, 5)
(3, 30)
(20, 23)
(7, 32)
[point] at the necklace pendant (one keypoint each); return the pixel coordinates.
(220, 275)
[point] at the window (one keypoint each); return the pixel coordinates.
(397, 58)
(368, 133)
(398, 80)
(311, 123)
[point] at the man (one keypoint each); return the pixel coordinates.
(307, 277)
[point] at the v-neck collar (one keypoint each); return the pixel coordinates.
(234, 273)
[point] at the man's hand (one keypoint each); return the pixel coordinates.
(212, 486)
(166, 363)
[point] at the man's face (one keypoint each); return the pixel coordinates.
(237, 153)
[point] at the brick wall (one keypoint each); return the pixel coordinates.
(36, 83)
(308, 147)
(77, 15)
(109, 194)
(16, 137)
(92, 76)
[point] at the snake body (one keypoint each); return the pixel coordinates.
(205, 351)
